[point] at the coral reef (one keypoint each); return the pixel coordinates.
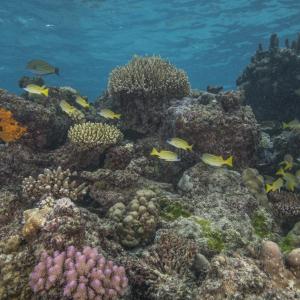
(164, 272)
(81, 275)
(10, 129)
(91, 135)
(285, 204)
(142, 90)
(138, 220)
(270, 82)
(55, 183)
(46, 129)
(212, 129)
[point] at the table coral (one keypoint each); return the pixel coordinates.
(142, 90)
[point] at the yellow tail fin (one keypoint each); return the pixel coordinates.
(154, 152)
(45, 92)
(117, 116)
(280, 172)
(229, 161)
(285, 125)
(268, 188)
(190, 148)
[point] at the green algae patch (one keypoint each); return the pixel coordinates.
(215, 240)
(261, 225)
(287, 244)
(171, 211)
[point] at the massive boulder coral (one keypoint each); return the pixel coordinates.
(55, 183)
(271, 81)
(91, 135)
(216, 124)
(136, 222)
(141, 90)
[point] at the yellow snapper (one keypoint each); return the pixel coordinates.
(291, 181)
(165, 155)
(36, 89)
(66, 107)
(82, 102)
(276, 185)
(180, 144)
(216, 161)
(287, 162)
(41, 67)
(293, 125)
(108, 114)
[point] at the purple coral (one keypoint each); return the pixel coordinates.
(83, 275)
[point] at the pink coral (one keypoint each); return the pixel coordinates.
(82, 275)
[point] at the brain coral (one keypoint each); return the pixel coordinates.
(91, 135)
(141, 90)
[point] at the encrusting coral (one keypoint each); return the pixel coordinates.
(90, 135)
(142, 90)
(82, 275)
(56, 183)
(138, 220)
(10, 130)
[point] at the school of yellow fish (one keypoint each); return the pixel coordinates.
(286, 178)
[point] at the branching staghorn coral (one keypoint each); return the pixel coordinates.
(148, 77)
(91, 135)
(55, 183)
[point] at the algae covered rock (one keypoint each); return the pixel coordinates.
(215, 126)
(142, 89)
(222, 208)
(138, 220)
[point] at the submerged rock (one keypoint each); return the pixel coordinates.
(220, 126)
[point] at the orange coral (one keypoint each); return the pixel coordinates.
(10, 130)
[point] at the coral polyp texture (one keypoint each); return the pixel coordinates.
(91, 135)
(142, 90)
(82, 275)
(55, 183)
(138, 220)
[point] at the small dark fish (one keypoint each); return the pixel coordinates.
(41, 67)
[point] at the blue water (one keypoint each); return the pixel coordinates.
(211, 40)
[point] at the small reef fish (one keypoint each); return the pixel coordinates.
(165, 155)
(276, 185)
(66, 107)
(287, 162)
(36, 89)
(82, 102)
(180, 144)
(41, 67)
(293, 125)
(216, 161)
(108, 114)
(291, 181)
